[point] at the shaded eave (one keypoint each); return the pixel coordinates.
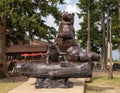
(27, 48)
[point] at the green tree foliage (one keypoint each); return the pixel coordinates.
(27, 16)
(111, 10)
(96, 39)
(18, 17)
(96, 31)
(115, 24)
(101, 13)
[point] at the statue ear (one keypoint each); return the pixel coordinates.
(73, 14)
(64, 12)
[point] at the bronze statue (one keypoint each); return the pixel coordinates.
(66, 35)
(52, 54)
(56, 73)
(66, 42)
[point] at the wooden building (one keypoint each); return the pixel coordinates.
(32, 49)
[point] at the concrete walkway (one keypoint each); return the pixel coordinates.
(29, 87)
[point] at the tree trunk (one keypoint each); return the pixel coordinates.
(0, 46)
(109, 25)
(3, 26)
(119, 29)
(104, 48)
(88, 37)
(119, 51)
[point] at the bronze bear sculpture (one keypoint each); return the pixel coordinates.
(56, 75)
(65, 40)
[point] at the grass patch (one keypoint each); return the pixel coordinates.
(9, 83)
(5, 87)
(105, 81)
(104, 85)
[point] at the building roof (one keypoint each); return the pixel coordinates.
(26, 48)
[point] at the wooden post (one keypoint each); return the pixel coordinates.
(110, 68)
(3, 27)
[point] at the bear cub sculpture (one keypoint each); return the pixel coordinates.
(52, 54)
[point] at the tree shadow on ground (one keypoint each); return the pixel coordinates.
(97, 88)
(13, 79)
(94, 78)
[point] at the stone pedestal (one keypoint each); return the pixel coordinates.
(53, 83)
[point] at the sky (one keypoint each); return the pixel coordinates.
(71, 7)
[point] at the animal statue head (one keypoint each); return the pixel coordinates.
(68, 17)
(52, 54)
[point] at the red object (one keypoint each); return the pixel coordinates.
(41, 53)
(25, 54)
(33, 54)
